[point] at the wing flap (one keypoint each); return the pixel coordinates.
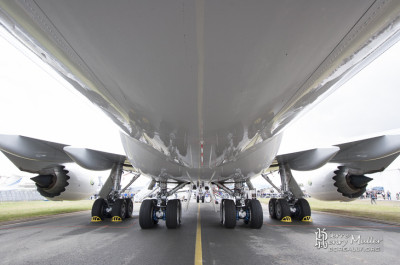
(92, 159)
(309, 159)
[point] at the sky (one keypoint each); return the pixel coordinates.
(36, 102)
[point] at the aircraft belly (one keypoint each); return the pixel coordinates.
(250, 163)
(150, 161)
(203, 84)
(198, 67)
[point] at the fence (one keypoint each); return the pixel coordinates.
(20, 195)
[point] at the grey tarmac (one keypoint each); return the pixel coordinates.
(73, 239)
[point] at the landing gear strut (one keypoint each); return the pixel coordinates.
(291, 204)
(241, 207)
(111, 203)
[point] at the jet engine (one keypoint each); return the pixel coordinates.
(335, 182)
(66, 182)
(350, 185)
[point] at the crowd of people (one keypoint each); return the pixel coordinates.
(373, 194)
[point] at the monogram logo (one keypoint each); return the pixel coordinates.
(321, 238)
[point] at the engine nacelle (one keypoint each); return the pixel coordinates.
(334, 182)
(67, 182)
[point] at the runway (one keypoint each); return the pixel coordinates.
(72, 239)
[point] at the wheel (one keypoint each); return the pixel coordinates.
(173, 212)
(282, 209)
(98, 208)
(302, 209)
(229, 214)
(198, 198)
(271, 208)
(202, 199)
(146, 214)
(256, 214)
(119, 208)
(129, 208)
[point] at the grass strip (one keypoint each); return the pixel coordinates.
(26, 209)
(384, 210)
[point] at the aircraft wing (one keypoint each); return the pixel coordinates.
(369, 155)
(33, 155)
(338, 172)
(365, 156)
(63, 172)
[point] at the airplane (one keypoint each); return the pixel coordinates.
(202, 92)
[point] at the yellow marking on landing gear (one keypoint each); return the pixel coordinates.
(116, 219)
(96, 219)
(287, 219)
(307, 219)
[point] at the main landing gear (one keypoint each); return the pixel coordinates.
(161, 208)
(111, 204)
(241, 207)
(291, 204)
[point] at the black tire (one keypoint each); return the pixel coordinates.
(129, 208)
(271, 208)
(172, 215)
(119, 208)
(282, 209)
(198, 199)
(229, 214)
(202, 199)
(146, 214)
(221, 210)
(256, 214)
(302, 209)
(98, 208)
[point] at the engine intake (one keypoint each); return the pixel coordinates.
(349, 185)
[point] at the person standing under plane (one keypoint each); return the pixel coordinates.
(373, 197)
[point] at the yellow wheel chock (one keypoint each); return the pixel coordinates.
(287, 219)
(307, 219)
(116, 219)
(96, 219)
